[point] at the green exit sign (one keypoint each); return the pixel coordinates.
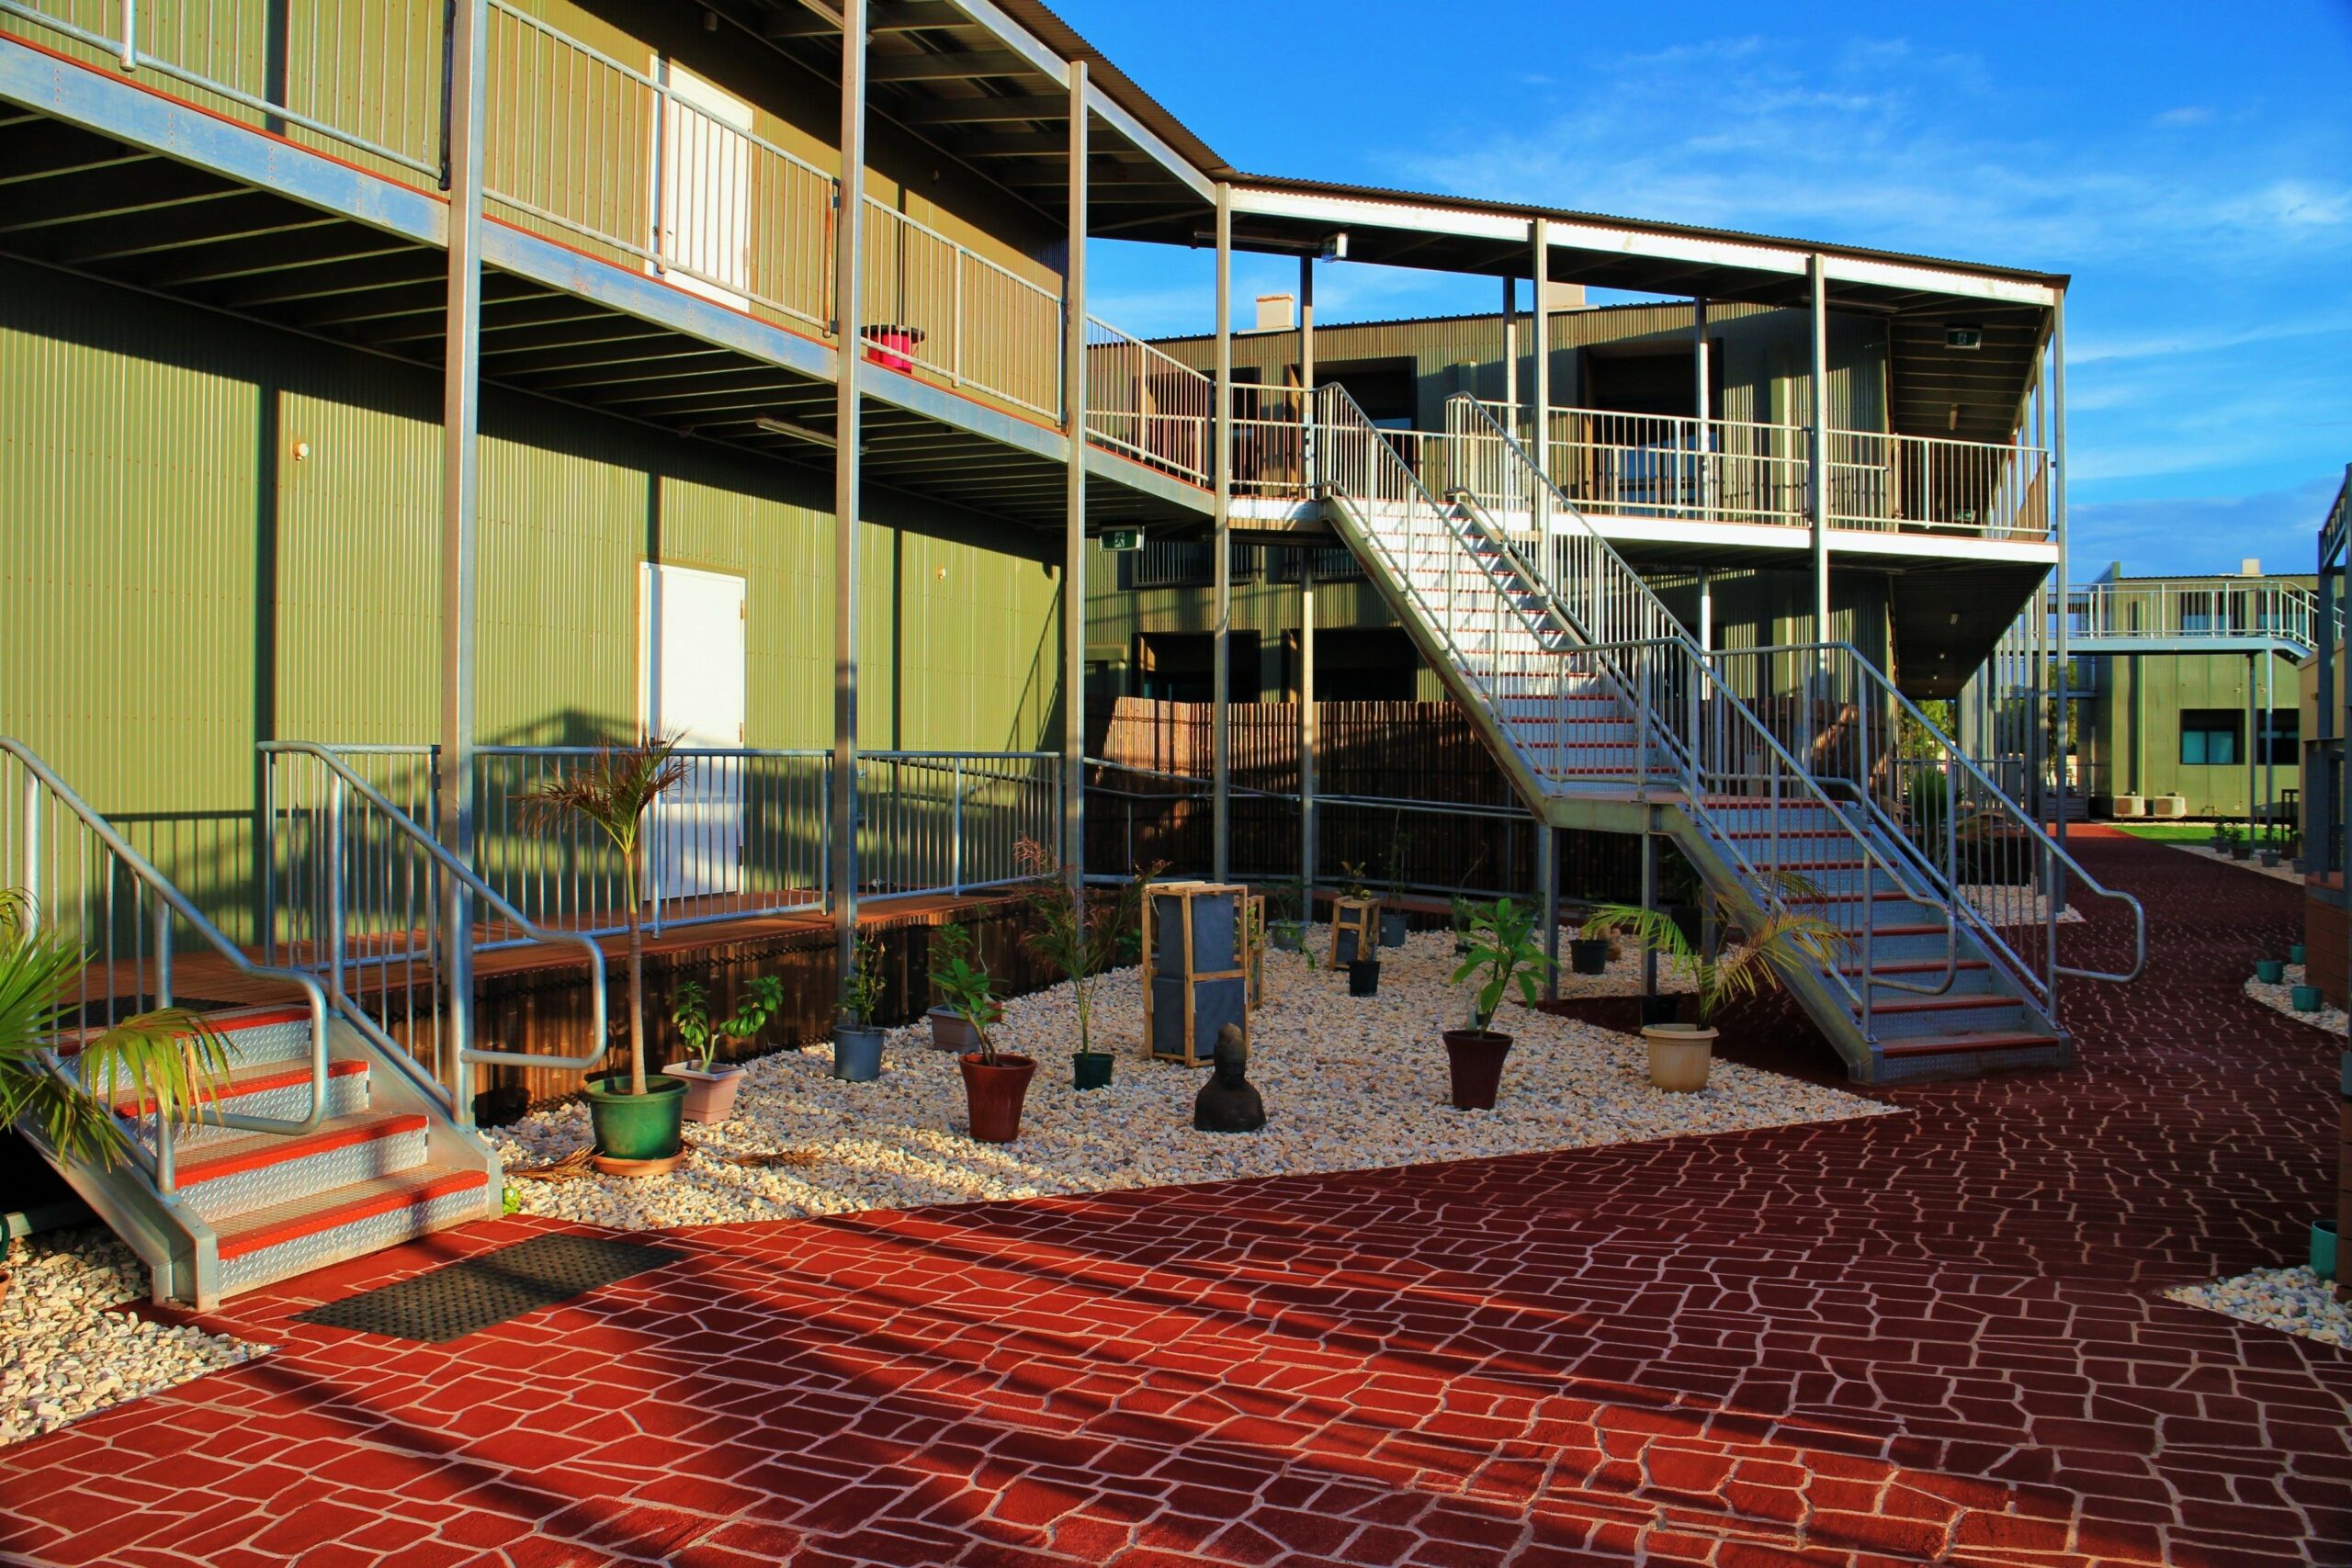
(1122, 538)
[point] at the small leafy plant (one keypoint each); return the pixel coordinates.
(1504, 955)
(1076, 935)
(862, 988)
(967, 991)
(1782, 946)
(703, 1036)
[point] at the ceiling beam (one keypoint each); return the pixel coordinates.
(985, 110)
(881, 17)
(948, 67)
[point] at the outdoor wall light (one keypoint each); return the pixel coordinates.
(1335, 247)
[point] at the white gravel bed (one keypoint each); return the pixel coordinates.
(2295, 1301)
(2282, 998)
(2008, 906)
(65, 1349)
(1350, 1084)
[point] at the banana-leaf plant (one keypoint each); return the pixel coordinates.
(168, 1058)
(1505, 955)
(1776, 949)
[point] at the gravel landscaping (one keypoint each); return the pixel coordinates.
(1350, 1084)
(2295, 1301)
(2282, 872)
(67, 1350)
(2282, 998)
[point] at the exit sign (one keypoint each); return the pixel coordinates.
(1122, 538)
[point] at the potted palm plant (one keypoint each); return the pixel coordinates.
(1504, 955)
(1077, 936)
(712, 1085)
(169, 1058)
(1784, 944)
(857, 1039)
(637, 1118)
(995, 1082)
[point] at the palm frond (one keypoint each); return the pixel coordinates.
(609, 791)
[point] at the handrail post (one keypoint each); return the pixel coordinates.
(31, 882)
(956, 830)
(162, 993)
(335, 886)
(131, 35)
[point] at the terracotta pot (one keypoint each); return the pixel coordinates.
(1678, 1056)
(1474, 1059)
(710, 1096)
(993, 1094)
(951, 1031)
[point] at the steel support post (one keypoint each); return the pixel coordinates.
(1074, 497)
(1547, 892)
(2061, 676)
(1221, 649)
(1309, 735)
(2269, 763)
(1540, 438)
(1510, 353)
(1649, 903)
(1817, 463)
(461, 495)
(2253, 814)
(848, 489)
(1705, 488)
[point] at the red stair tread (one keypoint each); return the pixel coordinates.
(228, 1020)
(1925, 1045)
(253, 1081)
(1942, 1004)
(298, 1217)
(1915, 966)
(233, 1156)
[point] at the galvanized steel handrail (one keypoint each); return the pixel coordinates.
(1130, 387)
(1023, 363)
(137, 45)
(428, 938)
(2235, 608)
(41, 785)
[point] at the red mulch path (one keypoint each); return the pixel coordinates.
(1928, 1338)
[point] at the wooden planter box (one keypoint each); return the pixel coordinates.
(1196, 970)
(1355, 929)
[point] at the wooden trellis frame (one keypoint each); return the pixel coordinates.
(1190, 972)
(1361, 916)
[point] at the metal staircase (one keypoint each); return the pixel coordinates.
(1607, 715)
(321, 1144)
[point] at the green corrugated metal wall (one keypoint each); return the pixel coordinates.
(179, 583)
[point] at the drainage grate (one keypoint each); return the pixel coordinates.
(465, 1297)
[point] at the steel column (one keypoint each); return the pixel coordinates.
(1510, 353)
(1310, 736)
(2252, 818)
(1547, 891)
(1221, 677)
(1705, 400)
(1074, 495)
(1649, 903)
(460, 494)
(1306, 372)
(2269, 764)
(1539, 241)
(1817, 281)
(848, 497)
(2058, 514)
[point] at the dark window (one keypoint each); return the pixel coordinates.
(2213, 736)
(1358, 664)
(1179, 667)
(2286, 736)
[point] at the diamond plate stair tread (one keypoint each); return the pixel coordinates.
(291, 1221)
(466, 1296)
(253, 1081)
(233, 1156)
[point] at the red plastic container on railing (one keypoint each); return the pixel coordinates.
(892, 347)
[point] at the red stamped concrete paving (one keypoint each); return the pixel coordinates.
(1931, 1337)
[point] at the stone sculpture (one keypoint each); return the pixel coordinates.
(1227, 1102)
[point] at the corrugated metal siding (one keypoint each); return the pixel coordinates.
(178, 585)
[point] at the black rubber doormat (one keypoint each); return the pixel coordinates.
(462, 1298)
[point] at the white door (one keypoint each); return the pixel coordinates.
(690, 684)
(705, 160)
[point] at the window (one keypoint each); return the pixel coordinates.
(2286, 737)
(2212, 737)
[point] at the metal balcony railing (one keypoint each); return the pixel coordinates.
(2194, 608)
(941, 306)
(1141, 402)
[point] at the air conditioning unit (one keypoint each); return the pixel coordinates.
(2130, 806)
(2167, 805)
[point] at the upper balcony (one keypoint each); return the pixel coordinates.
(659, 238)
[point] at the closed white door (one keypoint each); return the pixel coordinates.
(690, 637)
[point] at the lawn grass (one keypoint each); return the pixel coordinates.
(2166, 832)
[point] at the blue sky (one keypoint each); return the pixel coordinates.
(2191, 167)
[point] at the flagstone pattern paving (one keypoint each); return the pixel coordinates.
(1932, 1337)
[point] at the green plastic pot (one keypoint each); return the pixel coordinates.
(637, 1126)
(2269, 971)
(2324, 1248)
(2295, 954)
(1090, 1069)
(2307, 999)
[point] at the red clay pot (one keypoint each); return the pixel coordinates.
(993, 1095)
(1473, 1059)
